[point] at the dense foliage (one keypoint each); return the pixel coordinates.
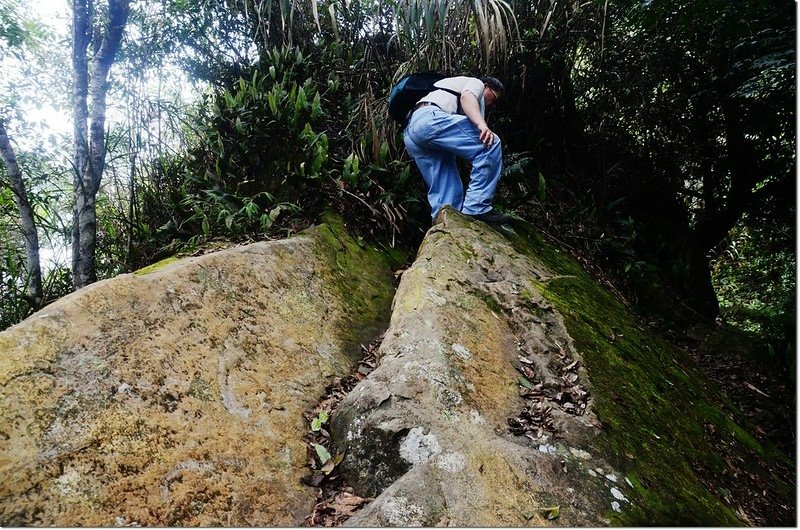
(655, 137)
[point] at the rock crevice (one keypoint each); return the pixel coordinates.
(510, 389)
(449, 378)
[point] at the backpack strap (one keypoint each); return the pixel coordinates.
(455, 93)
(435, 88)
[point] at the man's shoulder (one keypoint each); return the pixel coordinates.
(461, 82)
(460, 79)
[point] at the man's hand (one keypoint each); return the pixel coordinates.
(487, 136)
(472, 110)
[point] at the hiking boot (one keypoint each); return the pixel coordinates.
(492, 217)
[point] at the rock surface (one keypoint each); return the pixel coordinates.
(426, 432)
(175, 397)
(512, 390)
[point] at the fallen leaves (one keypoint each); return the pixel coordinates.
(570, 397)
(337, 509)
(751, 387)
(322, 453)
(746, 475)
(573, 399)
(535, 418)
(331, 463)
(335, 502)
(551, 512)
(525, 383)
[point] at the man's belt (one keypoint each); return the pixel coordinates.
(420, 105)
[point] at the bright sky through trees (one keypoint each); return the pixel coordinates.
(36, 90)
(55, 15)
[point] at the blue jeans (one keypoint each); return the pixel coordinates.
(434, 139)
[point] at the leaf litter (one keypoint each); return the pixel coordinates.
(536, 418)
(748, 483)
(336, 502)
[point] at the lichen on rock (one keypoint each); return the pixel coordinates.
(489, 325)
(174, 397)
(511, 390)
(447, 384)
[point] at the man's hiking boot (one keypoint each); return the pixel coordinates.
(492, 217)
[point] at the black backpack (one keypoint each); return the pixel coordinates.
(409, 90)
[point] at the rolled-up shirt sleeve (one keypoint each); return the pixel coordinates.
(475, 86)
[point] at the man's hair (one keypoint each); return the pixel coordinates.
(494, 84)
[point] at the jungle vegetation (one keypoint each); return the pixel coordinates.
(653, 138)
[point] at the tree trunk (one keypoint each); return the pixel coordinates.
(34, 286)
(697, 283)
(742, 166)
(722, 213)
(90, 145)
(81, 23)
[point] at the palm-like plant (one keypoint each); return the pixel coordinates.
(361, 47)
(454, 34)
(445, 35)
(387, 39)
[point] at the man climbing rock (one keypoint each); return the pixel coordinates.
(443, 126)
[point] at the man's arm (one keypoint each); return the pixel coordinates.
(472, 110)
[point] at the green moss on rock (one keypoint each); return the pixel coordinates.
(653, 405)
(157, 266)
(360, 274)
(155, 400)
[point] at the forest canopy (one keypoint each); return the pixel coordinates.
(655, 138)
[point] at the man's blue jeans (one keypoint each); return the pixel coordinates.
(434, 139)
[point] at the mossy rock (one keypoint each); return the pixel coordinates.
(175, 397)
(479, 307)
(658, 411)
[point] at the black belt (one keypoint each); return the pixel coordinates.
(420, 105)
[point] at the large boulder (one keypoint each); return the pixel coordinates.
(175, 396)
(513, 390)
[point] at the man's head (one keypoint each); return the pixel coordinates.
(493, 91)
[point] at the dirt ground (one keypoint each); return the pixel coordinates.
(767, 397)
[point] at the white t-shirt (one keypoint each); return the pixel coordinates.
(447, 101)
